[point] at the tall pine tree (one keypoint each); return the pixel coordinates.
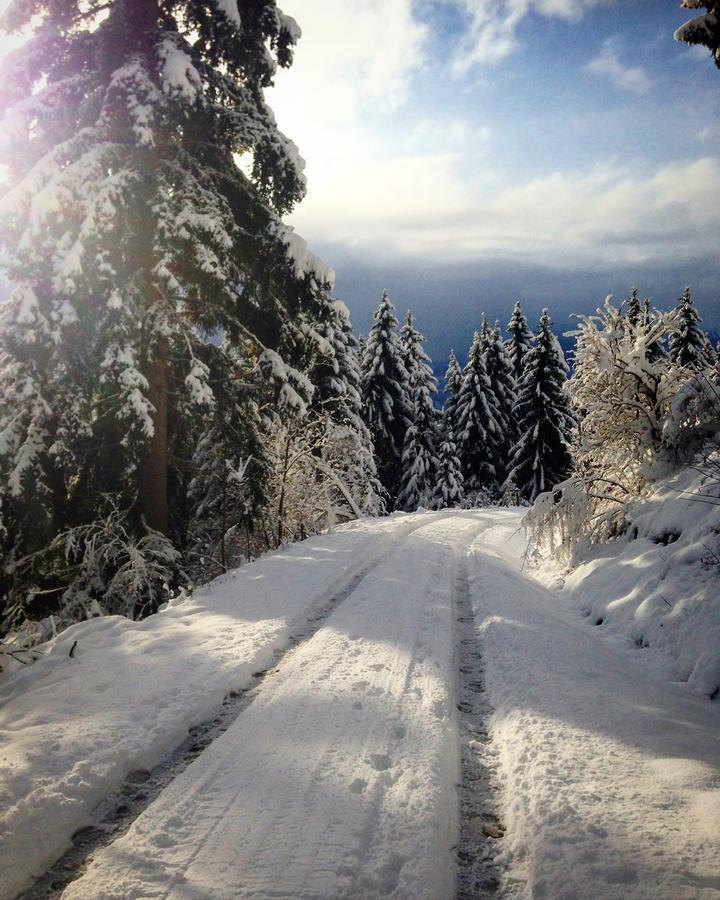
(520, 341)
(689, 345)
(347, 452)
(386, 407)
(130, 233)
(479, 424)
(502, 387)
(453, 380)
(419, 458)
(542, 456)
(450, 488)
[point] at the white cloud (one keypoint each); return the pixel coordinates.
(609, 65)
(494, 24)
(421, 207)
(387, 185)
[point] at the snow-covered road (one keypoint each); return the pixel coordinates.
(340, 778)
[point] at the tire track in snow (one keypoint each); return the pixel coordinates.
(480, 827)
(115, 815)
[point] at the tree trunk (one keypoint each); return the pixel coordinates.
(152, 501)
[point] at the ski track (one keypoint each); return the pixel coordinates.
(480, 825)
(116, 813)
(609, 772)
(64, 754)
(340, 780)
(442, 727)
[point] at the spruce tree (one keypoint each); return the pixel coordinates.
(656, 348)
(130, 233)
(337, 400)
(704, 29)
(520, 341)
(449, 491)
(479, 423)
(386, 407)
(502, 387)
(419, 457)
(542, 456)
(634, 309)
(453, 380)
(689, 345)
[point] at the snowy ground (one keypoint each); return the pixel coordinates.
(340, 778)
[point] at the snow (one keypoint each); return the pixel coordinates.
(609, 772)
(73, 728)
(658, 586)
(229, 9)
(340, 779)
(355, 741)
(305, 263)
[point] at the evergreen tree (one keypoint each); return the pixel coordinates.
(348, 449)
(689, 345)
(386, 407)
(542, 457)
(453, 380)
(130, 232)
(502, 387)
(520, 341)
(479, 422)
(634, 309)
(656, 351)
(419, 459)
(704, 29)
(449, 491)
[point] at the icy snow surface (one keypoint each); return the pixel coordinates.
(339, 780)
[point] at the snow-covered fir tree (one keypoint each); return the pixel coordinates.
(453, 380)
(480, 433)
(386, 407)
(419, 457)
(688, 344)
(634, 308)
(703, 30)
(130, 232)
(450, 489)
(502, 387)
(545, 421)
(347, 459)
(520, 341)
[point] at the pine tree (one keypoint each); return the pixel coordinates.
(542, 456)
(453, 380)
(704, 29)
(634, 309)
(655, 348)
(689, 345)
(130, 232)
(386, 407)
(450, 491)
(520, 341)
(502, 387)
(479, 423)
(347, 451)
(419, 457)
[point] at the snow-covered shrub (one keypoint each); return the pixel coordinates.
(640, 417)
(105, 568)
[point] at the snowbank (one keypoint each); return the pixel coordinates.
(659, 585)
(73, 728)
(609, 773)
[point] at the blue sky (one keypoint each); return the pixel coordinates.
(467, 153)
